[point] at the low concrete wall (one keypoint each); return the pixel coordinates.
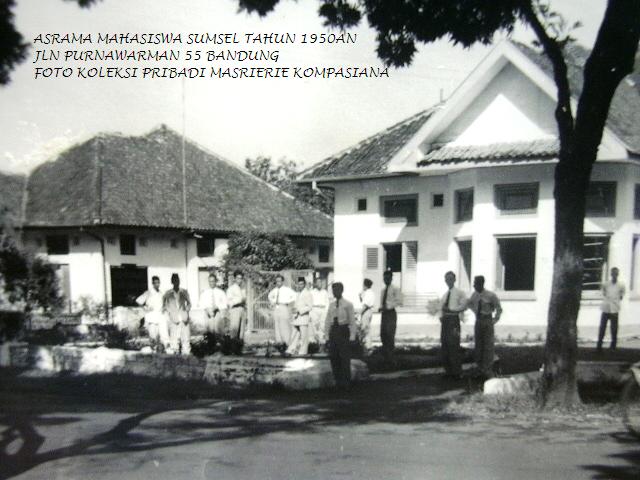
(290, 373)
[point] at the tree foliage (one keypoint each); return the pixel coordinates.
(27, 280)
(13, 48)
(253, 252)
(283, 175)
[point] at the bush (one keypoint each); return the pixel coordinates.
(58, 335)
(206, 346)
(10, 324)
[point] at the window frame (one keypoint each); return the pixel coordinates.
(604, 267)
(127, 240)
(211, 241)
(456, 214)
(636, 202)
(500, 190)
(433, 200)
(395, 220)
(50, 243)
(320, 256)
(614, 195)
(501, 272)
(366, 205)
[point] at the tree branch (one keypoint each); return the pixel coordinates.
(553, 50)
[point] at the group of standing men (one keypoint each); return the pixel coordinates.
(167, 314)
(298, 315)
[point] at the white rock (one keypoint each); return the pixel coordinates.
(523, 384)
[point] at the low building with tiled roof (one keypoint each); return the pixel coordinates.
(115, 210)
(467, 186)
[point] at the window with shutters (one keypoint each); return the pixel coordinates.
(371, 258)
(412, 255)
(400, 209)
(601, 199)
(595, 253)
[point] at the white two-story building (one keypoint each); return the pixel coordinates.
(467, 186)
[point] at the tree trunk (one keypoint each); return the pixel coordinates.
(610, 61)
(561, 350)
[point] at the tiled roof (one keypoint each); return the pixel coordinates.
(372, 155)
(496, 152)
(624, 114)
(137, 181)
(11, 192)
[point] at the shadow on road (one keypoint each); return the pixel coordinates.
(161, 415)
(625, 471)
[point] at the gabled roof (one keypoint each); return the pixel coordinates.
(11, 194)
(372, 155)
(368, 159)
(137, 181)
(624, 114)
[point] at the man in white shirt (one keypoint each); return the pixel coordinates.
(484, 303)
(214, 303)
(390, 299)
(237, 300)
(281, 298)
(612, 294)
(367, 301)
(154, 318)
(318, 313)
(299, 343)
(453, 305)
(176, 304)
(340, 329)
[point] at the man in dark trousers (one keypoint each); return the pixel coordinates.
(391, 298)
(340, 329)
(484, 303)
(454, 303)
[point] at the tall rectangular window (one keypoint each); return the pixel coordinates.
(601, 199)
(464, 205)
(400, 209)
(464, 266)
(371, 258)
(362, 204)
(516, 263)
(517, 198)
(636, 203)
(595, 254)
(57, 244)
(127, 244)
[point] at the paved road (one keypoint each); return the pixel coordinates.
(396, 430)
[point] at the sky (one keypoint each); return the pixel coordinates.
(305, 120)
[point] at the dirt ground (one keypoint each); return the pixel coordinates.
(110, 427)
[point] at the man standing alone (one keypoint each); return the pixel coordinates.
(391, 298)
(483, 303)
(454, 303)
(340, 329)
(176, 304)
(612, 294)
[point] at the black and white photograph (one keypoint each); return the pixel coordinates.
(320, 239)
